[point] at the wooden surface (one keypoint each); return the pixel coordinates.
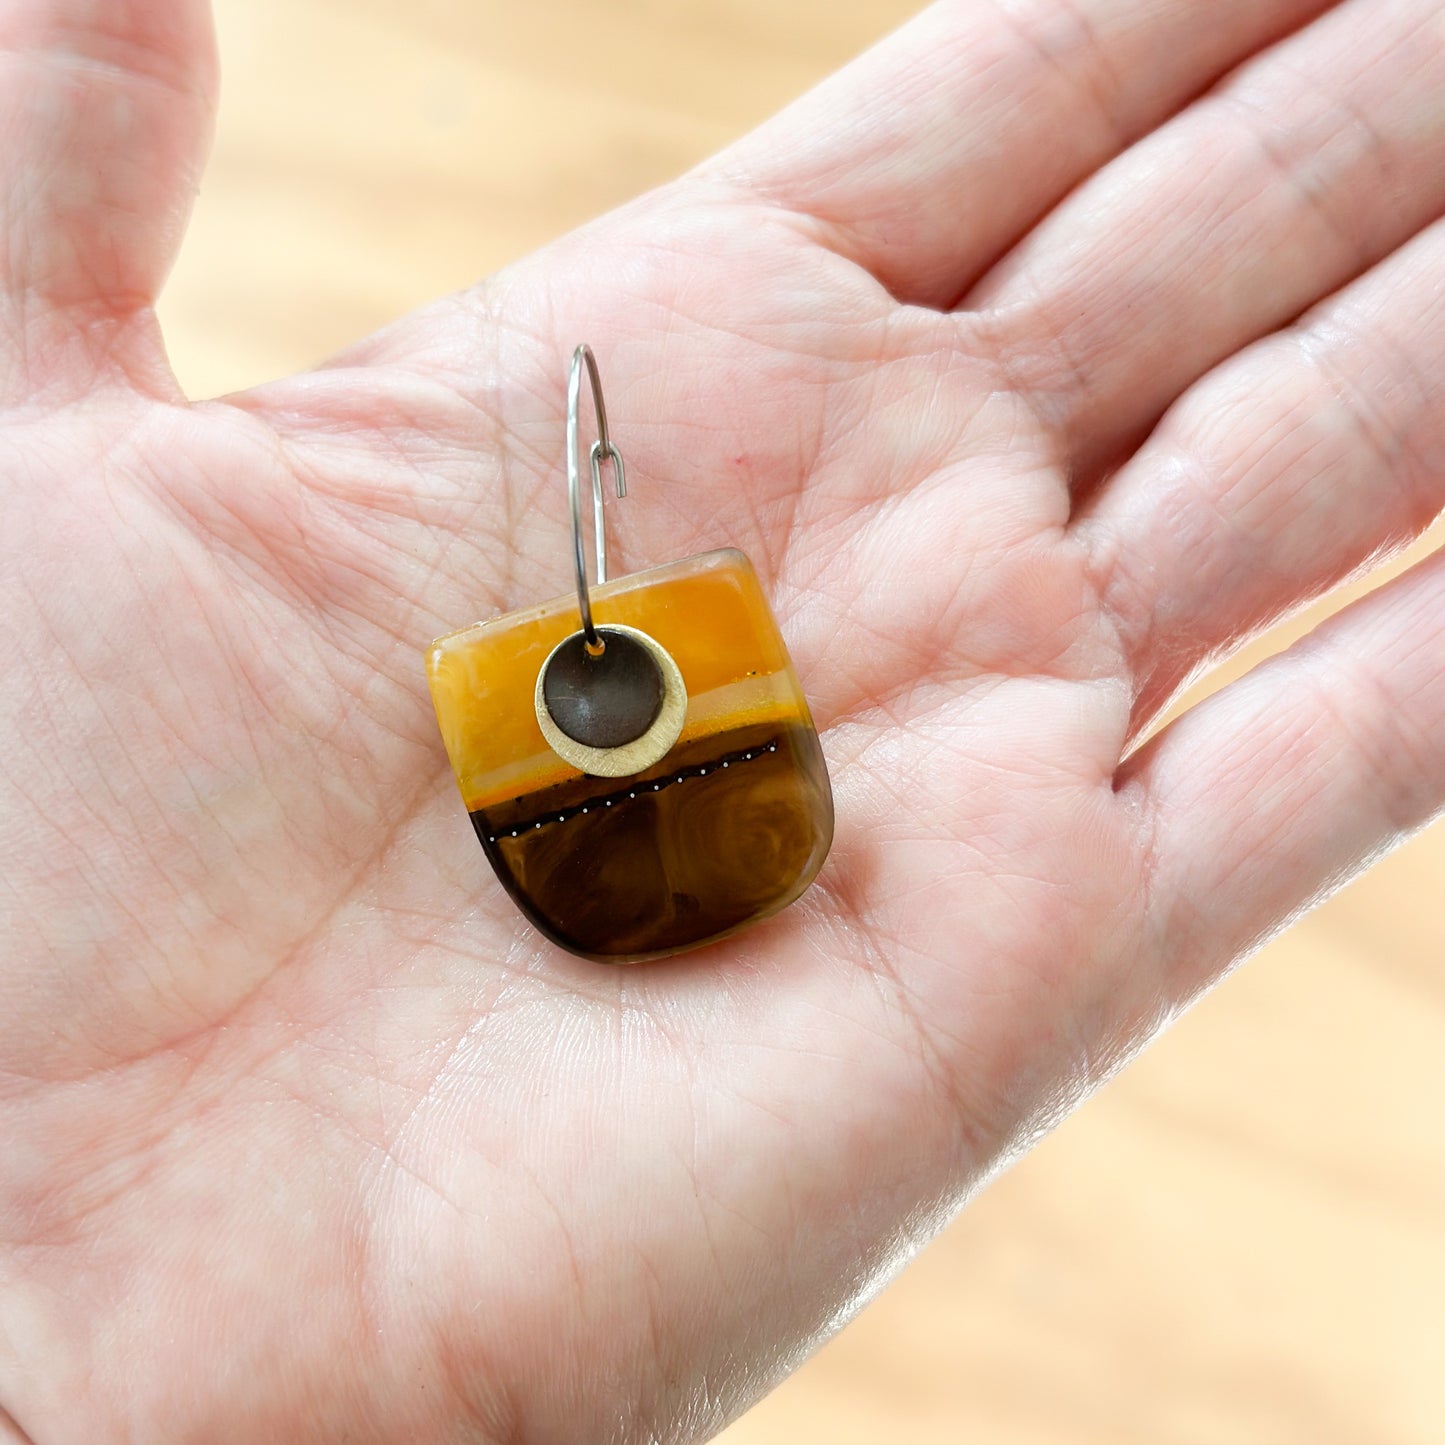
(1243, 1239)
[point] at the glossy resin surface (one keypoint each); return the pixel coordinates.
(732, 825)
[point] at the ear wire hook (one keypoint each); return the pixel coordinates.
(600, 449)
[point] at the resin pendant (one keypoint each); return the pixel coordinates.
(650, 781)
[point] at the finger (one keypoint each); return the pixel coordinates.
(1274, 792)
(927, 158)
(105, 112)
(1308, 456)
(1310, 165)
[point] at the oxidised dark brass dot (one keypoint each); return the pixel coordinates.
(606, 701)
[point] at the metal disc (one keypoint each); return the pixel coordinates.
(605, 701)
(641, 700)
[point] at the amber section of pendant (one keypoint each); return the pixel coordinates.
(732, 825)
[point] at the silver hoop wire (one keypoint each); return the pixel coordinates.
(601, 449)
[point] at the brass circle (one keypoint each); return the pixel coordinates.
(638, 755)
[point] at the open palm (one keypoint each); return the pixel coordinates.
(307, 1135)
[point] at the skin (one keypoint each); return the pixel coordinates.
(1036, 360)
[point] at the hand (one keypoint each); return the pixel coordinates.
(1030, 384)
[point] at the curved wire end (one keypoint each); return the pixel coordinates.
(600, 449)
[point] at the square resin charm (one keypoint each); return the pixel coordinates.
(730, 823)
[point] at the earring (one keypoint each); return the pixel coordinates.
(650, 781)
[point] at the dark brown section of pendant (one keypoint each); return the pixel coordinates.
(604, 701)
(727, 831)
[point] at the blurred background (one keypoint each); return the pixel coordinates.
(1241, 1240)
